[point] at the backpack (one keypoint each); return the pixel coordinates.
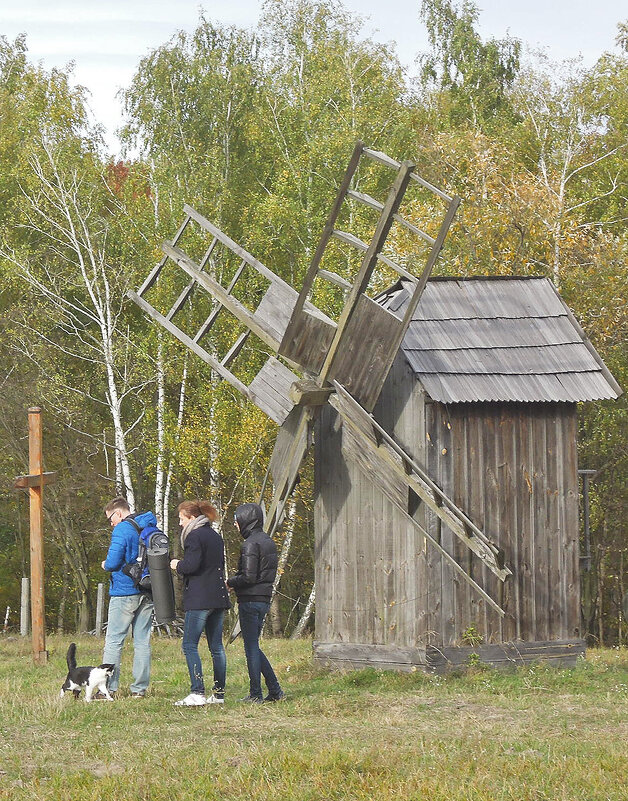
(150, 537)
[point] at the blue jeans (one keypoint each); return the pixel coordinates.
(126, 612)
(209, 621)
(252, 614)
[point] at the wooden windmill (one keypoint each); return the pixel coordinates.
(317, 359)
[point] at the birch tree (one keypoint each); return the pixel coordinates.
(69, 271)
(566, 149)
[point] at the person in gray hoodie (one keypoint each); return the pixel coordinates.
(253, 586)
(129, 608)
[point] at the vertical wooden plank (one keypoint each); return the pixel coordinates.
(542, 536)
(526, 505)
(343, 525)
(460, 496)
(36, 496)
(24, 607)
(477, 471)
(328, 525)
(421, 605)
(100, 605)
(434, 573)
(570, 528)
(507, 472)
(322, 565)
(381, 544)
(556, 596)
(500, 529)
(486, 505)
(491, 523)
(365, 561)
(445, 481)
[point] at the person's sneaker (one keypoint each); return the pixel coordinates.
(251, 699)
(138, 695)
(272, 698)
(193, 699)
(215, 699)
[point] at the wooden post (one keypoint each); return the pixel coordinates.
(36, 493)
(24, 608)
(100, 602)
(34, 482)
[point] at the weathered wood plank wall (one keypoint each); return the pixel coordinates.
(511, 467)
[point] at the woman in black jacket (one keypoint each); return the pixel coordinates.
(205, 598)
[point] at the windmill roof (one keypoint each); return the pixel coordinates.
(499, 339)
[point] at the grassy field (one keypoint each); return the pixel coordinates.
(535, 734)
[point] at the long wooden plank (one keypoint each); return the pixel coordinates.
(191, 344)
(373, 471)
(222, 296)
(359, 655)
(395, 196)
(287, 347)
(393, 457)
(506, 653)
(233, 246)
(38, 480)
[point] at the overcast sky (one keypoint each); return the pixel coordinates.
(106, 39)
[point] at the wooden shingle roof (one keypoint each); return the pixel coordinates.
(499, 339)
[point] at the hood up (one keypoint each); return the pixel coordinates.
(250, 517)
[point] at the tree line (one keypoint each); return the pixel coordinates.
(253, 129)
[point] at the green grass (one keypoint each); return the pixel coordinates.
(535, 734)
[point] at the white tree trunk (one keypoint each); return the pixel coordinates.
(307, 613)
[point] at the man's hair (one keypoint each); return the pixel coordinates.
(117, 504)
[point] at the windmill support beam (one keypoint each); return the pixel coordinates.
(309, 393)
(391, 457)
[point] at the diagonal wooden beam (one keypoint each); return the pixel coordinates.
(395, 196)
(217, 291)
(191, 344)
(392, 457)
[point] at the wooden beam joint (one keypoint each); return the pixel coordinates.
(309, 393)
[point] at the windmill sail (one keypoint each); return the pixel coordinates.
(314, 356)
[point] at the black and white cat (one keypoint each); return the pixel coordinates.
(91, 678)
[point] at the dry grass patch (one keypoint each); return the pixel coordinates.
(530, 735)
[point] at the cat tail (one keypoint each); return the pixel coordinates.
(71, 656)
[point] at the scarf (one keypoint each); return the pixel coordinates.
(196, 523)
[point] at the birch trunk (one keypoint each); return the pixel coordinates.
(307, 613)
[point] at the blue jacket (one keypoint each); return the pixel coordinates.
(123, 549)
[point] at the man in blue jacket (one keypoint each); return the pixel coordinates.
(128, 607)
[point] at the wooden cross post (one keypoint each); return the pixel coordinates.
(34, 483)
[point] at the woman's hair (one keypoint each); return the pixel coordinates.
(198, 508)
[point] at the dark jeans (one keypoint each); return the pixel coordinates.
(252, 614)
(209, 621)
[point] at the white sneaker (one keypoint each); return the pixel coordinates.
(193, 699)
(211, 699)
